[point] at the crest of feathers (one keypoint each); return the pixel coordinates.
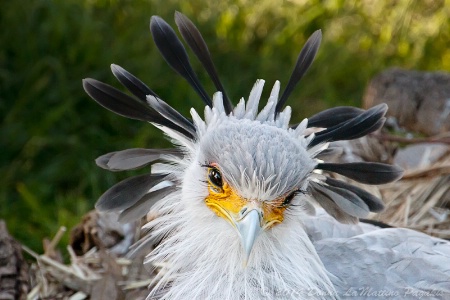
(343, 201)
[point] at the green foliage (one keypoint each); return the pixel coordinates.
(51, 131)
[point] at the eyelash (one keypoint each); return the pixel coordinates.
(207, 165)
(288, 199)
(291, 196)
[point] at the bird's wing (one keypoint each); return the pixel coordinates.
(369, 263)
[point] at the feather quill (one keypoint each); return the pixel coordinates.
(141, 247)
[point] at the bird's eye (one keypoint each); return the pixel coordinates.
(215, 178)
(289, 198)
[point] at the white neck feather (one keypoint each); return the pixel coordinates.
(206, 262)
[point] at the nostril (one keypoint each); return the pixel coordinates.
(243, 211)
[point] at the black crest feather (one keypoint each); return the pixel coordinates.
(133, 84)
(175, 54)
(330, 153)
(365, 172)
(334, 116)
(304, 61)
(126, 106)
(119, 102)
(171, 114)
(194, 39)
(361, 125)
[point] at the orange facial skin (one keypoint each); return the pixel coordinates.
(273, 212)
(226, 203)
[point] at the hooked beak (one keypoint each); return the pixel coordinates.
(249, 217)
(249, 227)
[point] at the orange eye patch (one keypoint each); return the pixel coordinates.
(225, 202)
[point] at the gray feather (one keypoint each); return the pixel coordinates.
(143, 205)
(142, 246)
(374, 204)
(127, 192)
(393, 260)
(131, 159)
(330, 153)
(345, 200)
(330, 206)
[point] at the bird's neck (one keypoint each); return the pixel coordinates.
(206, 262)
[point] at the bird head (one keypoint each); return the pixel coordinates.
(248, 167)
(239, 176)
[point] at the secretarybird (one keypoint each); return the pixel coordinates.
(237, 199)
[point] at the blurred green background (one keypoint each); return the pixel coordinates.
(51, 131)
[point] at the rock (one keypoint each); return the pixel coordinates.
(420, 101)
(420, 155)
